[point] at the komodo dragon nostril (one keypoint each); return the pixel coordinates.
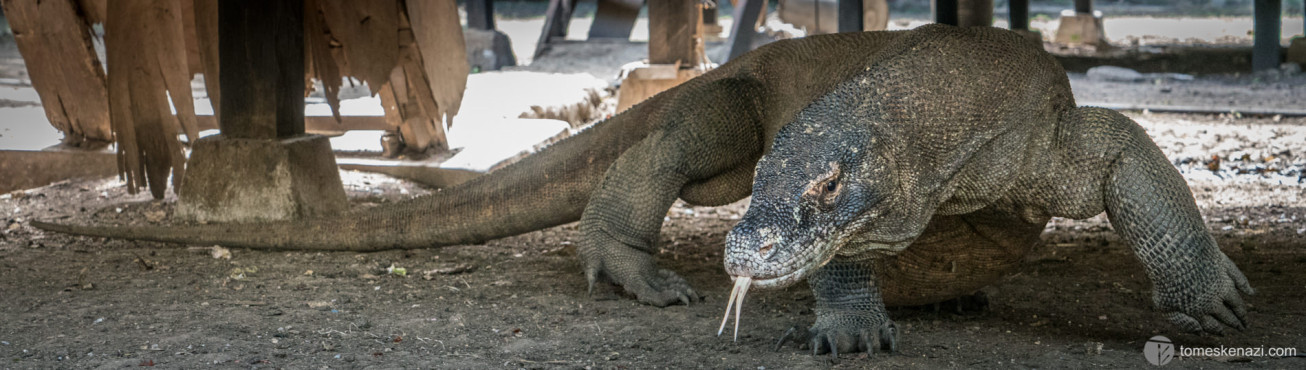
(765, 251)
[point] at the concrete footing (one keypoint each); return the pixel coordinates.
(1081, 28)
(251, 180)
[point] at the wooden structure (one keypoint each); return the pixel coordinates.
(675, 51)
(409, 52)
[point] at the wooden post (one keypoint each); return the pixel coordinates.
(614, 19)
(945, 12)
(974, 13)
(261, 53)
(480, 14)
(744, 27)
(556, 20)
(671, 32)
(1018, 14)
(850, 16)
(1084, 6)
(1265, 34)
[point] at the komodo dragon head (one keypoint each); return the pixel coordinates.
(829, 186)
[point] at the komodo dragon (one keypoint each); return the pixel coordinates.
(891, 167)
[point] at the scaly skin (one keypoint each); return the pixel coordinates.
(951, 149)
(946, 182)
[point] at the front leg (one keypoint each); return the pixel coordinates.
(621, 223)
(1150, 206)
(850, 315)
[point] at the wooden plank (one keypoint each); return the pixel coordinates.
(23, 169)
(673, 32)
(366, 32)
(320, 124)
(261, 50)
(424, 173)
(67, 75)
(443, 53)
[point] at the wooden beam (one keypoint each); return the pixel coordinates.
(672, 28)
(25, 169)
(261, 52)
(320, 124)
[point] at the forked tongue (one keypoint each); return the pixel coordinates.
(737, 301)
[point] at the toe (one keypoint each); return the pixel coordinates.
(1227, 317)
(1212, 325)
(1185, 322)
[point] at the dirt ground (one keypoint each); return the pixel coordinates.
(1081, 300)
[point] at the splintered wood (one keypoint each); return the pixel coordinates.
(146, 55)
(61, 61)
(410, 52)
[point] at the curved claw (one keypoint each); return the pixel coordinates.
(792, 334)
(835, 340)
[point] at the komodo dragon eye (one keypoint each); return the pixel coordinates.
(826, 190)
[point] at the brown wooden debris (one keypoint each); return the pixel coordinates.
(56, 45)
(146, 55)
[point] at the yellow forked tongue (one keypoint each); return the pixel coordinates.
(737, 301)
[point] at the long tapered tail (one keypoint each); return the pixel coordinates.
(543, 190)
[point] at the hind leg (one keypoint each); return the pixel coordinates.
(1150, 206)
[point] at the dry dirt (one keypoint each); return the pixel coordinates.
(1081, 300)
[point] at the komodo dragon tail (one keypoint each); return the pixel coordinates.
(543, 190)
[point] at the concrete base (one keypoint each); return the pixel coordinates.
(1081, 28)
(644, 81)
(488, 50)
(249, 180)
(1297, 51)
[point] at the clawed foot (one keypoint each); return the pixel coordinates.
(835, 340)
(636, 273)
(1221, 308)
